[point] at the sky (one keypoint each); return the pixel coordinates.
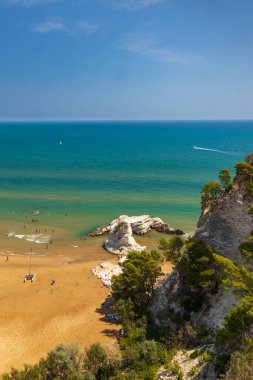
(126, 59)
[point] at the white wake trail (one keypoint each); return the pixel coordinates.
(215, 150)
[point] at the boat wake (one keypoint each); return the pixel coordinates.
(215, 150)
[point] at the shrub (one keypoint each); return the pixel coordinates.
(172, 249)
(241, 363)
(64, 361)
(102, 360)
(225, 179)
(209, 193)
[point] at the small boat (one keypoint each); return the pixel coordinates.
(60, 143)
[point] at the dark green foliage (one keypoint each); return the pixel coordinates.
(198, 267)
(225, 179)
(101, 361)
(237, 321)
(244, 171)
(244, 175)
(172, 248)
(249, 158)
(64, 361)
(241, 363)
(198, 275)
(240, 318)
(72, 363)
(37, 372)
(246, 250)
(209, 193)
(250, 210)
(136, 284)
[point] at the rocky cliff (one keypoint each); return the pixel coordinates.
(223, 225)
(227, 223)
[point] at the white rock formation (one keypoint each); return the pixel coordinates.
(105, 272)
(120, 240)
(140, 225)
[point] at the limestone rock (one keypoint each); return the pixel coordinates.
(227, 224)
(100, 231)
(191, 368)
(140, 225)
(105, 272)
(120, 240)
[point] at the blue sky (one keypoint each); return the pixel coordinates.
(126, 59)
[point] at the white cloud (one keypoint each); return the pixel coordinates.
(26, 3)
(82, 27)
(49, 25)
(147, 46)
(78, 27)
(137, 4)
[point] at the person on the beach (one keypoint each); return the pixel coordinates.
(7, 258)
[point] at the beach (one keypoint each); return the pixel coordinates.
(52, 195)
(37, 316)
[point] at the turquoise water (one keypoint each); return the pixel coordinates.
(105, 169)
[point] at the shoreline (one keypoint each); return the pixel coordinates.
(35, 317)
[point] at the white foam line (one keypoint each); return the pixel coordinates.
(215, 150)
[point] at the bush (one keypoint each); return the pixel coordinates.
(172, 249)
(65, 361)
(241, 363)
(102, 361)
(198, 266)
(225, 179)
(209, 193)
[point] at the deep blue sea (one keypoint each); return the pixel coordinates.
(95, 171)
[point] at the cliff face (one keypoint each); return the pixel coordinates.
(223, 226)
(226, 224)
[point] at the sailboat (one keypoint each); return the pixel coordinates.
(30, 276)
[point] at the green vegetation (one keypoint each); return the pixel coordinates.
(241, 363)
(72, 363)
(198, 266)
(244, 176)
(141, 349)
(225, 179)
(136, 284)
(172, 249)
(239, 319)
(210, 193)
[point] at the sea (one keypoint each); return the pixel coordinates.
(80, 175)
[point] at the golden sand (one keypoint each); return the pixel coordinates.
(35, 317)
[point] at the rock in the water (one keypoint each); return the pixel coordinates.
(120, 240)
(105, 272)
(100, 231)
(140, 225)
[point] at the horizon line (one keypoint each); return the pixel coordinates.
(118, 120)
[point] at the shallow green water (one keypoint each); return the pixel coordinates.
(102, 170)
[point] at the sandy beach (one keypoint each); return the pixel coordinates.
(35, 317)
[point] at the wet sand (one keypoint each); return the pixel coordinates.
(35, 317)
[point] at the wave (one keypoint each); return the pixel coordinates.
(37, 238)
(215, 150)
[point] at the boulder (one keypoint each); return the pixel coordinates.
(105, 271)
(226, 224)
(120, 240)
(140, 226)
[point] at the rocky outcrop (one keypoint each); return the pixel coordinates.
(120, 240)
(226, 224)
(140, 225)
(191, 365)
(105, 271)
